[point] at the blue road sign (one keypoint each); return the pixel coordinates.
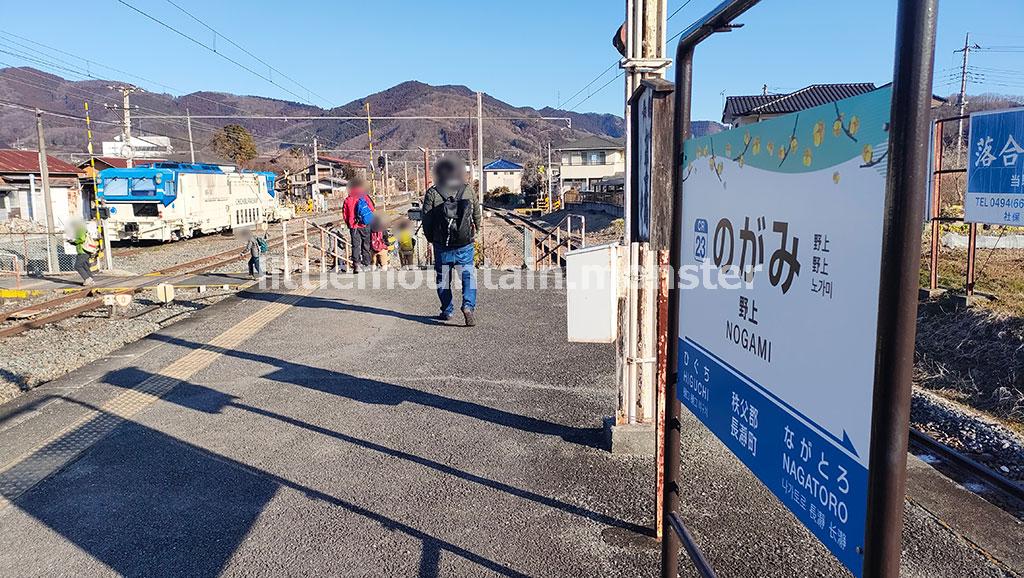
(995, 168)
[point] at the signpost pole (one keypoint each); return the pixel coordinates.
(900, 279)
(933, 265)
(671, 541)
(972, 258)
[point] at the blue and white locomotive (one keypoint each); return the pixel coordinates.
(170, 201)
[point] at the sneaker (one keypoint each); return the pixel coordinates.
(443, 316)
(470, 317)
(88, 282)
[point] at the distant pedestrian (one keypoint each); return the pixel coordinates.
(406, 244)
(254, 248)
(451, 219)
(85, 248)
(358, 213)
(380, 242)
(334, 241)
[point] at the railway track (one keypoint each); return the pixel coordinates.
(1005, 492)
(53, 310)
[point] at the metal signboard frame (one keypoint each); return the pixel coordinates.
(995, 168)
(897, 262)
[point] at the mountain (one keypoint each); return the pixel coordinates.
(519, 140)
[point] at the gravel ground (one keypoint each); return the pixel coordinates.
(40, 355)
(981, 437)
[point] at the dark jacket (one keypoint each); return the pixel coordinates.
(433, 199)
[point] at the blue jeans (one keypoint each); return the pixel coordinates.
(444, 261)
(254, 265)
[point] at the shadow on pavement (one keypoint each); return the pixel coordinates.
(145, 503)
(204, 399)
(382, 393)
(342, 305)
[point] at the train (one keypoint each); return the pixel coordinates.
(167, 201)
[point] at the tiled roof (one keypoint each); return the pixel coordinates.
(114, 162)
(807, 97)
(592, 143)
(18, 161)
(502, 165)
(340, 161)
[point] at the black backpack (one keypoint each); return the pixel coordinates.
(451, 223)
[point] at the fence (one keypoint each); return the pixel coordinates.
(27, 253)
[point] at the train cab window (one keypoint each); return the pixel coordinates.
(144, 187)
(115, 187)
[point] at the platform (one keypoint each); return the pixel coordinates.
(344, 432)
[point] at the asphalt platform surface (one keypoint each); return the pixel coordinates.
(352, 435)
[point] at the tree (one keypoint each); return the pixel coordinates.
(234, 142)
(533, 180)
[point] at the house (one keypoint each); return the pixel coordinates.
(588, 161)
(102, 163)
(503, 173)
(325, 179)
(21, 190)
(744, 110)
(142, 147)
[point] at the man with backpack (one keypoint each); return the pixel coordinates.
(451, 218)
(255, 246)
(358, 213)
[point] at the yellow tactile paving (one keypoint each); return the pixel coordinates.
(51, 454)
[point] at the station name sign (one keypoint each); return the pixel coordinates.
(780, 364)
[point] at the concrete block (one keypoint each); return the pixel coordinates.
(635, 439)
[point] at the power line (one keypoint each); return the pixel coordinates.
(243, 49)
(213, 50)
(615, 63)
(605, 85)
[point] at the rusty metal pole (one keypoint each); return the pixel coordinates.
(933, 265)
(972, 258)
(662, 337)
(900, 282)
(640, 360)
(305, 245)
(323, 252)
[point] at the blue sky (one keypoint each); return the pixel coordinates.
(527, 52)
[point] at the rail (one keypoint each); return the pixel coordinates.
(92, 297)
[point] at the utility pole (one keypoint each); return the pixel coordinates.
(426, 168)
(480, 153)
(126, 114)
(405, 180)
(191, 145)
(966, 50)
(44, 172)
(643, 38)
(315, 184)
(386, 180)
(548, 169)
(369, 139)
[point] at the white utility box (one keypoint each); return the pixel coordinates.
(592, 293)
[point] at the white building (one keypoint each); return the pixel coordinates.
(21, 189)
(503, 173)
(142, 147)
(588, 161)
